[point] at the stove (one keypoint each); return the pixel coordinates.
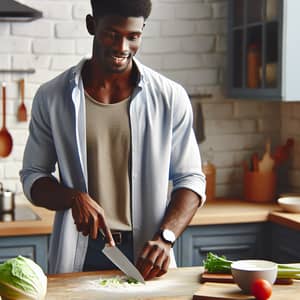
(20, 213)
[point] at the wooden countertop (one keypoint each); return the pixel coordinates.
(225, 211)
(43, 225)
(178, 284)
(220, 211)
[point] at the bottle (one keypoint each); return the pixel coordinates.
(209, 171)
(253, 64)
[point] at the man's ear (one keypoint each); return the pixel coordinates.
(90, 24)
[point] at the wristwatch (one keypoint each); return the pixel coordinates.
(168, 236)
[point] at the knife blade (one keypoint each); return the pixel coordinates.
(114, 254)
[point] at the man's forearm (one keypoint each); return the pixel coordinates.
(50, 194)
(182, 207)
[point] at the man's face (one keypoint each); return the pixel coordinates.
(116, 41)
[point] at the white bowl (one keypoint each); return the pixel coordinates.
(245, 272)
(290, 204)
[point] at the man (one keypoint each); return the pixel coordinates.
(119, 132)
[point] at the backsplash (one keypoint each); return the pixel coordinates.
(186, 41)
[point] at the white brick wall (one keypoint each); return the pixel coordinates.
(185, 40)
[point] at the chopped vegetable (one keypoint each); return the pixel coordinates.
(219, 264)
(118, 281)
(21, 278)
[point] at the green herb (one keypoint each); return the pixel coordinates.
(219, 264)
(132, 280)
(118, 281)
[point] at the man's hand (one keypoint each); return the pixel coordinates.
(154, 259)
(89, 217)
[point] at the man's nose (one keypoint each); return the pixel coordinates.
(121, 44)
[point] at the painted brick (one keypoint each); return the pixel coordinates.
(71, 30)
(152, 29)
(41, 76)
(160, 45)
(178, 27)
(4, 61)
(178, 61)
(63, 62)
(4, 29)
(162, 11)
(39, 28)
(269, 125)
(81, 9)
(220, 10)
(11, 170)
(216, 111)
(216, 127)
(198, 44)
(211, 26)
(221, 43)
(193, 11)
(84, 46)
(15, 45)
(53, 46)
(56, 10)
(153, 61)
(31, 61)
(233, 142)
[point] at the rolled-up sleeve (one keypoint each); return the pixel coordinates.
(39, 156)
(186, 169)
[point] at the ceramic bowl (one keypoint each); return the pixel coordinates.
(290, 203)
(245, 272)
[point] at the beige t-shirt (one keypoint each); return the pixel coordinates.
(108, 148)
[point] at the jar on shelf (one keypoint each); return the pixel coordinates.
(209, 171)
(253, 65)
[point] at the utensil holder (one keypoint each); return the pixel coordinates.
(260, 186)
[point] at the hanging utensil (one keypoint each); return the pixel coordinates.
(22, 112)
(6, 142)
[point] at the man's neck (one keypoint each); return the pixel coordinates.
(105, 87)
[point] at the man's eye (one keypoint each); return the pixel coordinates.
(134, 37)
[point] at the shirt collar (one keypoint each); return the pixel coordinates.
(76, 73)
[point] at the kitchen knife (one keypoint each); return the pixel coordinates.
(122, 262)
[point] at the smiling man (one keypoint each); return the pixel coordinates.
(119, 133)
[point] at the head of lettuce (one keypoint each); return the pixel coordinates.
(21, 278)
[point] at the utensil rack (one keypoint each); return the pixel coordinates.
(28, 71)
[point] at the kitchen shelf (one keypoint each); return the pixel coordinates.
(27, 71)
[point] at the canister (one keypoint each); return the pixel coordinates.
(7, 200)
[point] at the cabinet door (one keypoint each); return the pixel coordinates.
(254, 49)
(34, 247)
(285, 244)
(237, 241)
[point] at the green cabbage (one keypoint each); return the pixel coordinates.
(21, 278)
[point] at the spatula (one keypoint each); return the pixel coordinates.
(22, 112)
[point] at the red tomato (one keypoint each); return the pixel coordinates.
(261, 289)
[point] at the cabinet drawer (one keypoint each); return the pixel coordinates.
(235, 241)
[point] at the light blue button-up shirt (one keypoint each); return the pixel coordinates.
(163, 149)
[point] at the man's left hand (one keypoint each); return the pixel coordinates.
(154, 259)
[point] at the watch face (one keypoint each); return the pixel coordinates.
(168, 235)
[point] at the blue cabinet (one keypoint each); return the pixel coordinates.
(235, 241)
(285, 244)
(34, 247)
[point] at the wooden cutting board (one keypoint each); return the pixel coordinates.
(227, 278)
(221, 291)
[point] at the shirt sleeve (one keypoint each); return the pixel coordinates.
(39, 156)
(186, 169)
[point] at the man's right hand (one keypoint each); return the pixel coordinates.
(89, 217)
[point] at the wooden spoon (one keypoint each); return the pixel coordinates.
(267, 163)
(22, 112)
(6, 142)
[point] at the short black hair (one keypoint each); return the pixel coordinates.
(124, 8)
